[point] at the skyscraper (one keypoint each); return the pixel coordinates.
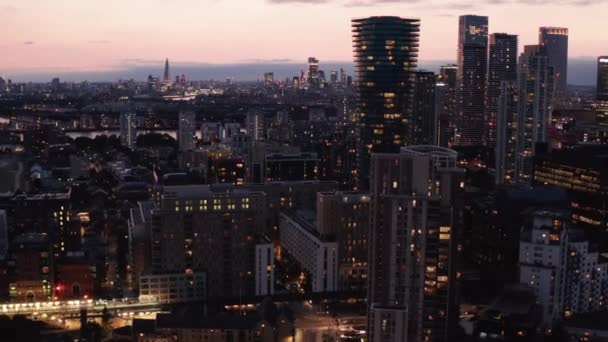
(502, 66)
(269, 78)
(472, 69)
(312, 73)
(186, 131)
(507, 106)
(167, 74)
(423, 118)
(128, 129)
(415, 212)
(333, 78)
(602, 78)
(536, 85)
(445, 106)
(385, 53)
(554, 40)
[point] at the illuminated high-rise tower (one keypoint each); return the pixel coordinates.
(385, 53)
(502, 68)
(602, 79)
(536, 86)
(554, 41)
(167, 75)
(472, 70)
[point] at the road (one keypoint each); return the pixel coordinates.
(314, 326)
(72, 308)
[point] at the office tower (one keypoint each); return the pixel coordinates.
(536, 84)
(502, 67)
(210, 233)
(268, 78)
(423, 114)
(183, 80)
(507, 106)
(386, 53)
(580, 171)
(554, 42)
(256, 125)
(186, 131)
(557, 262)
(472, 70)
(312, 73)
(445, 104)
(167, 73)
(602, 79)
(343, 76)
(415, 210)
(333, 78)
(128, 129)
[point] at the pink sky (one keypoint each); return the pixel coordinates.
(88, 35)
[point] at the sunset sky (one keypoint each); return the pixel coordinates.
(98, 35)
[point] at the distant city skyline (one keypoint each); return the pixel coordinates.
(583, 71)
(72, 39)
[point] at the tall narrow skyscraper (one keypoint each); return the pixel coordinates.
(502, 68)
(554, 41)
(536, 90)
(386, 54)
(472, 69)
(423, 118)
(445, 107)
(167, 75)
(507, 106)
(415, 210)
(602, 78)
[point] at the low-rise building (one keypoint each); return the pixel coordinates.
(318, 257)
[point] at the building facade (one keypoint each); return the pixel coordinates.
(415, 222)
(198, 228)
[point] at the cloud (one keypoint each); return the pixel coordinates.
(298, 1)
(143, 61)
(29, 42)
(370, 3)
(267, 61)
(99, 41)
